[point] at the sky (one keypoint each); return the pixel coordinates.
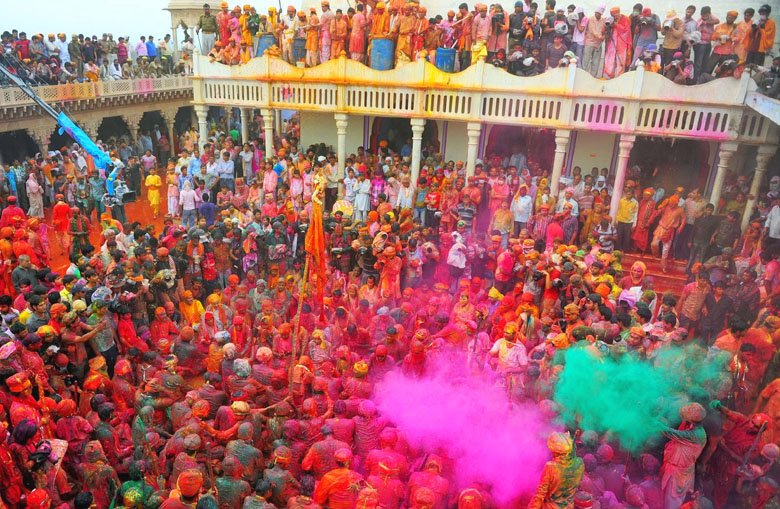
(90, 17)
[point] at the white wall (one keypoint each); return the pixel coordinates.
(321, 128)
(457, 141)
(593, 149)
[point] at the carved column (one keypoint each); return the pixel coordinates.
(562, 137)
(473, 130)
(763, 156)
(725, 154)
(202, 111)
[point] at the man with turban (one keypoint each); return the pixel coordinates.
(618, 46)
(10, 212)
(682, 450)
(560, 477)
(97, 476)
(187, 491)
(732, 449)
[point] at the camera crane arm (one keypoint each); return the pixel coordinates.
(102, 160)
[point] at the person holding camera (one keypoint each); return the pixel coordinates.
(673, 31)
(679, 70)
(516, 23)
(759, 37)
(649, 58)
(577, 25)
(768, 30)
(723, 38)
(646, 32)
(701, 50)
(768, 79)
(499, 26)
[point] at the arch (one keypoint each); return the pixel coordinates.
(670, 162)
(538, 145)
(18, 144)
(113, 127)
(397, 130)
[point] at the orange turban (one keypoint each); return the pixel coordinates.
(189, 483)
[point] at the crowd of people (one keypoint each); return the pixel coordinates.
(57, 60)
(212, 362)
(530, 39)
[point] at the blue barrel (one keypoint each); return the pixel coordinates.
(263, 43)
(445, 59)
(299, 49)
(382, 54)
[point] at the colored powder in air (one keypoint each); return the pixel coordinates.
(470, 420)
(635, 399)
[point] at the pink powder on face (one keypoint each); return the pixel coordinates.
(472, 422)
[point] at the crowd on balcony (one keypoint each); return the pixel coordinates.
(686, 48)
(271, 341)
(55, 59)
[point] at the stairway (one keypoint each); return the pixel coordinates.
(673, 281)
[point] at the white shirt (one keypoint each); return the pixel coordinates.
(64, 53)
(773, 222)
(522, 207)
(405, 197)
(457, 256)
(577, 36)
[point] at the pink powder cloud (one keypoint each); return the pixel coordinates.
(471, 420)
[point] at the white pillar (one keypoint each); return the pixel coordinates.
(175, 49)
(763, 156)
(342, 122)
(725, 153)
(202, 111)
(418, 126)
(473, 130)
(624, 151)
(245, 119)
(562, 137)
(268, 129)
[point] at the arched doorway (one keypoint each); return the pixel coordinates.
(16, 145)
(538, 145)
(111, 129)
(669, 163)
(398, 131)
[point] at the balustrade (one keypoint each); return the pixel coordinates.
(636, 103)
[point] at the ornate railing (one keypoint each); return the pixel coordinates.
(637, 102)
(14, 97)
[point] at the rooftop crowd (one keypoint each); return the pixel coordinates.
(57, 59)
(526, 40)
(163, 356)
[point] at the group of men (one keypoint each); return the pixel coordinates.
(55, 59)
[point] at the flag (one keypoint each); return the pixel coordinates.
(315, 236)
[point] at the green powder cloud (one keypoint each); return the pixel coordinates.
(631, 398)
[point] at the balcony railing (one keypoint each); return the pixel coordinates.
(14, 97)
(637, 102)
